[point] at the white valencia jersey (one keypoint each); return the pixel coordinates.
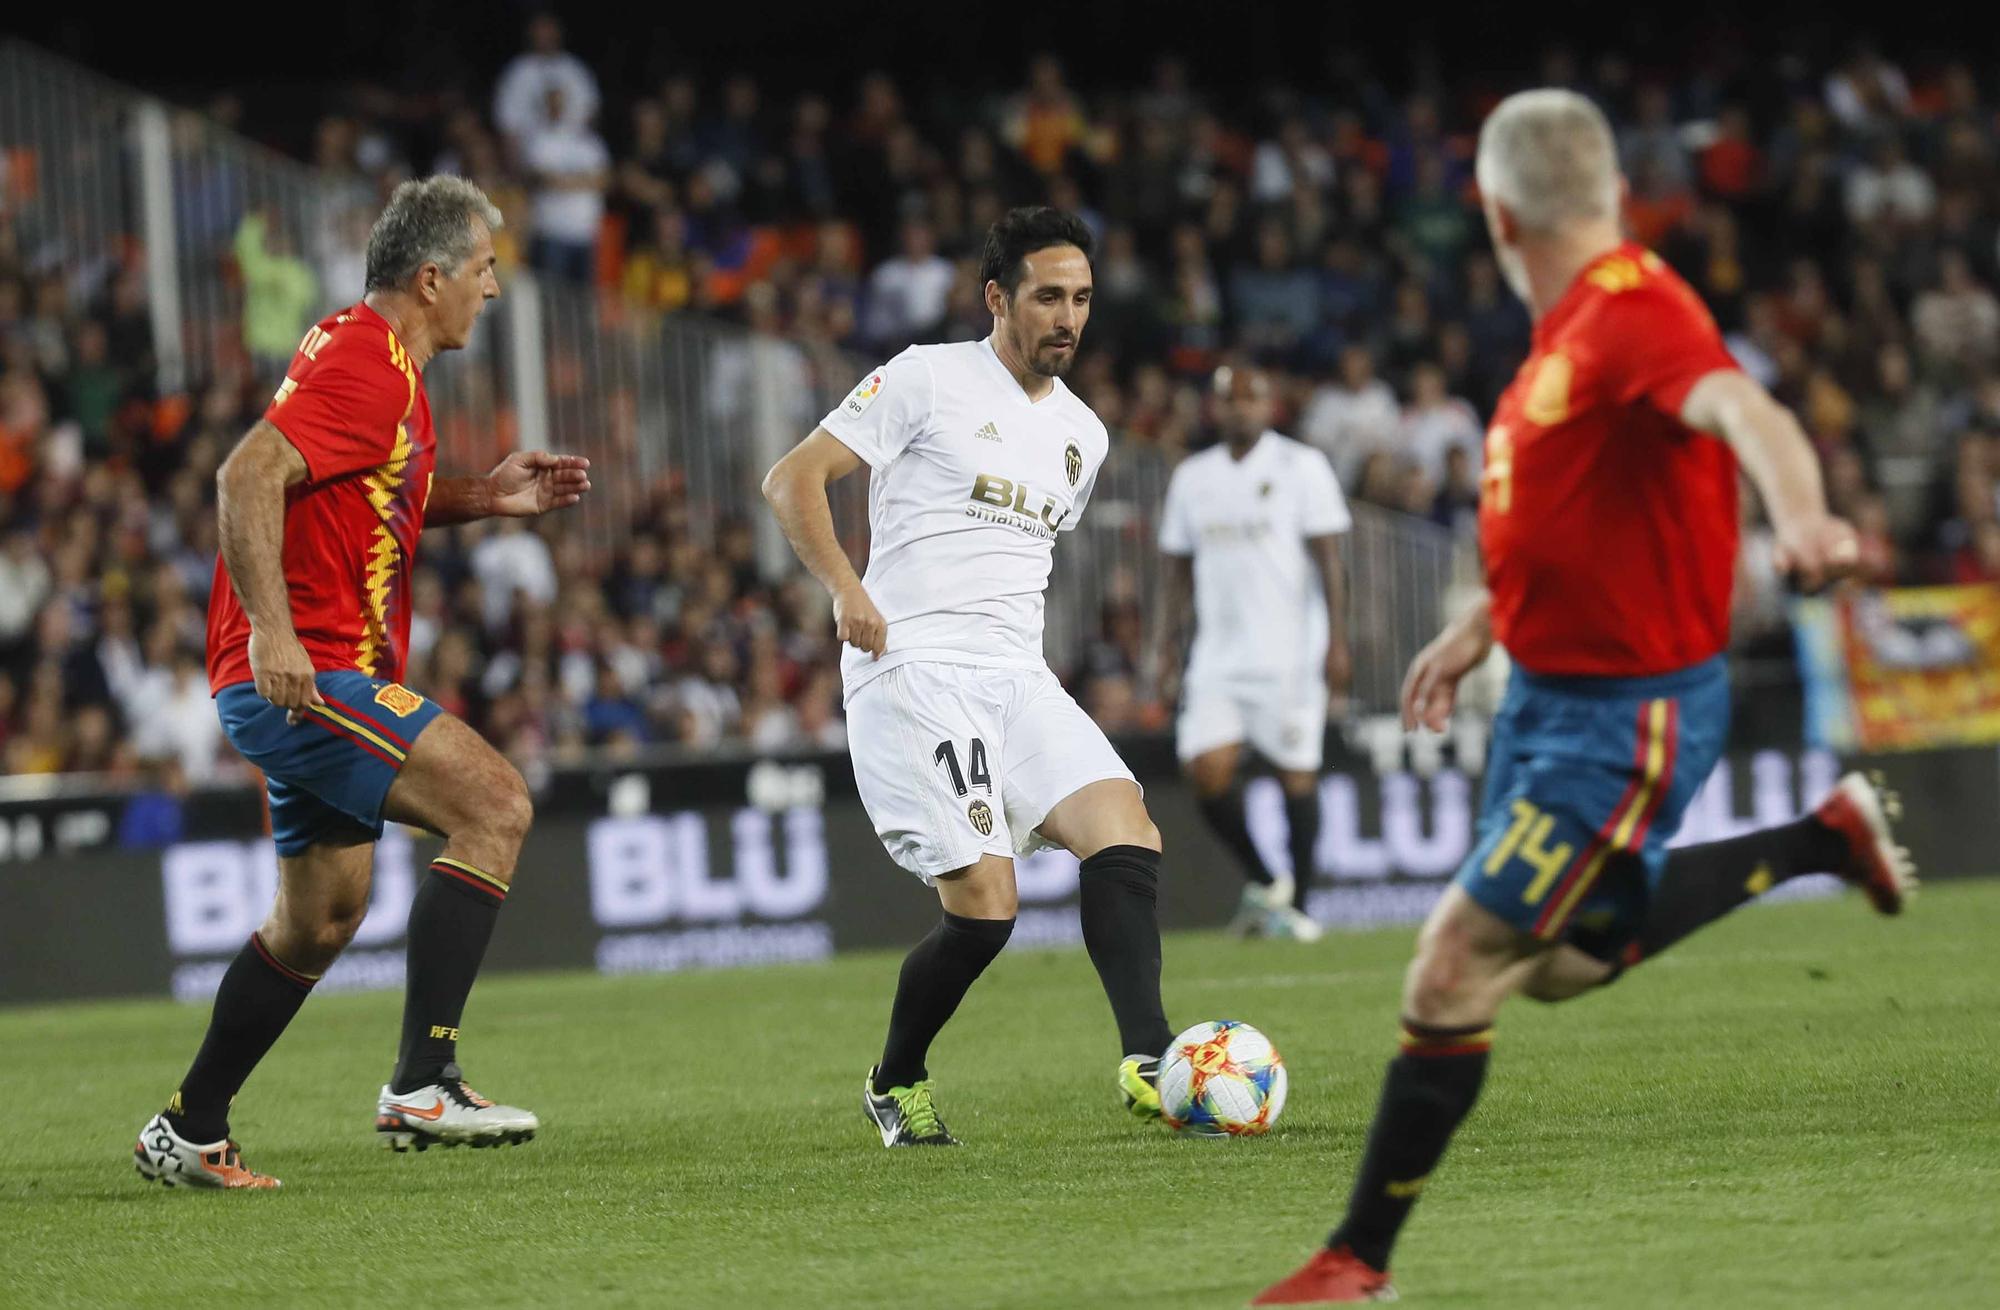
(1259, 604)
(969, 484)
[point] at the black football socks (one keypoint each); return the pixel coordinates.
(936, 975)
(1226, 820)
(1430, 1088)
(1120, 891)
(451, 920)
(1302, 812)
(258, 997)
(1703, 883)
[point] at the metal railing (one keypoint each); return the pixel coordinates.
(680, 416)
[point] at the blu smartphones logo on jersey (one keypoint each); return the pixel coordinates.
(667, 905)
(1002, 500)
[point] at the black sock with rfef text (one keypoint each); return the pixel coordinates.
(1430, 1088)
(451, 920)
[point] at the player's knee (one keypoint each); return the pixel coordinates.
(1545, 990)
(501, 811)
(1208, 777)
(1444, 983)
(992, 903)
(331, 935)
(515, 813)
(310, 945)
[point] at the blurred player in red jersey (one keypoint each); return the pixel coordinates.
(320, 507)
(1608, 525)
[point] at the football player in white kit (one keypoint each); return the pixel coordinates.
(967, 750)
(1253, 525)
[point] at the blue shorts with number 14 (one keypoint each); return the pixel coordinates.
(1586, 781)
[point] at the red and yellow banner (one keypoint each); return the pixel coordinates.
(1910, 668)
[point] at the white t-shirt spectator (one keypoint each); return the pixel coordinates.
(520, 101)
(713, 710)
(1958, 327)
(1430, 433)
(1348, 426)
(1902, 191)
(571, 216)
(776, 729)
(907, 297)
(181, 725)
(24, 584)
(1275, 174)
(511, 563)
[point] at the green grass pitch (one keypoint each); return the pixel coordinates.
(1800, 1107)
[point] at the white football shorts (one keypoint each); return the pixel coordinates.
(1283, 719)
(955, 761)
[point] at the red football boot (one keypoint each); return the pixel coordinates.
(1331, 1277)
(1860, 812)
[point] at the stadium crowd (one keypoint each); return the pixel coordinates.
(1841, 221)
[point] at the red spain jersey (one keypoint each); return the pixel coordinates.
(1608, 526)
(354, 406)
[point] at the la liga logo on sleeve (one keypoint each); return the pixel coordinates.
(864, 395)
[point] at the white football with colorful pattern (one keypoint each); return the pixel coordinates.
(1222, 1079)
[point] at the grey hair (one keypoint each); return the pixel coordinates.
(1548, 156)
(426, 222)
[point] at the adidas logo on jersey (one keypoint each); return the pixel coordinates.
(988, 433)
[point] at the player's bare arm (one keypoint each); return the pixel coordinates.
(1430, 689)
(1813, 546)
(796, 489)
(250, 520)
(526, 483)
(1333, 579)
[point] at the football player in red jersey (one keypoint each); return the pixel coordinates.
(1608, 524)
(320, 507)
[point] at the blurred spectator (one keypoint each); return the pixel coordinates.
(660, 273)
(511, 560)
(280, 294)
(1889, 188)
(1957, 323)
(1436, 423)
(24, 585)
(1652, 143)
(1275, 301)
(570, 167)
(1732, 167)
(1656, 204)
(1354, 416)
(1044, 122)
(1867, 91)
(908, 292)
(176, 722)
(521, 99)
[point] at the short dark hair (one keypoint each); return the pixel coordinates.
(1020, 233)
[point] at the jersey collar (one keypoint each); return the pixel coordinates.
(1264, 439)
(986, 349)
(363, 309)
(1574, 295)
